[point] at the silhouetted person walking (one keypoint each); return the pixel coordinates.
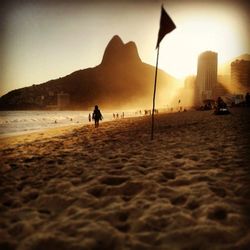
(97, 115)
(247, 99)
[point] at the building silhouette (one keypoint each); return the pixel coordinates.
(206, 79)
(240, 75)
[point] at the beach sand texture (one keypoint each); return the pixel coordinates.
(114, 188)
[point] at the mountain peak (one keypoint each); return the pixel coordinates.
(116, 40)
(116, 52)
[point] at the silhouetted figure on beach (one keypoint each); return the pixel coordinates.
(97, 116)
(89, 117)
(221, 107)
(220, 103)
(247, 99)
(208, 105)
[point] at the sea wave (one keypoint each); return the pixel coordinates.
(15, 122)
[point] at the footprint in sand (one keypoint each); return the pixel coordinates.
(113, 180)
(219, 191)
(128, 189)
(97, 191)
(192, 204)
(169, 174)
(194, 158)
(29, 195)
(178, 163)
(179, 200)
(178, 156)
(123, 227)
(217, 213)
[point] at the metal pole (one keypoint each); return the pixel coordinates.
(153, 110)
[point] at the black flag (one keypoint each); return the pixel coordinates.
(166, 26)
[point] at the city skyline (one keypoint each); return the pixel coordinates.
(44, 42)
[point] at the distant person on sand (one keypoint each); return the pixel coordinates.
(221, 107)
(220, 103)
(247, 99)
(89, 117)
(97, 115)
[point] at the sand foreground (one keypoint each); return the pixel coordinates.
(114, 188)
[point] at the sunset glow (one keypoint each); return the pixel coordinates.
(221, 30)
(52, 41)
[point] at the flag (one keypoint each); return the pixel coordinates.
(166, 25)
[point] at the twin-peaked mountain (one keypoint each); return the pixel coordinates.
(122, 80)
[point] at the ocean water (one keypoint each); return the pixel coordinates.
(21, 122)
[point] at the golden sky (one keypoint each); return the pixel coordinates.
(44, 40)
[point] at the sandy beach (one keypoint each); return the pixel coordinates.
(114, 188)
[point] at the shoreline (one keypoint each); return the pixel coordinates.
(47, 133)
(26, 137)
(60, 124)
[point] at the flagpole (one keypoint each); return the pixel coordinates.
(153, 110)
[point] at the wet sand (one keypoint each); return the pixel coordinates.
(114, 188)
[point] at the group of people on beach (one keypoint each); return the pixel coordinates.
(220, 105)
(246, 103)
(116, 116)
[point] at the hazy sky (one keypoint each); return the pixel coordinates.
(44, 40)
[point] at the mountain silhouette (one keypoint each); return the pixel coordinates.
(121, 80)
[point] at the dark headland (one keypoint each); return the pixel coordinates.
(120, 80)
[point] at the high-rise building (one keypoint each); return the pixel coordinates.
(206, 80)
(240, 75)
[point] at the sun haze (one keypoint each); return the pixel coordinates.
(44, 40)
(200, 27)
